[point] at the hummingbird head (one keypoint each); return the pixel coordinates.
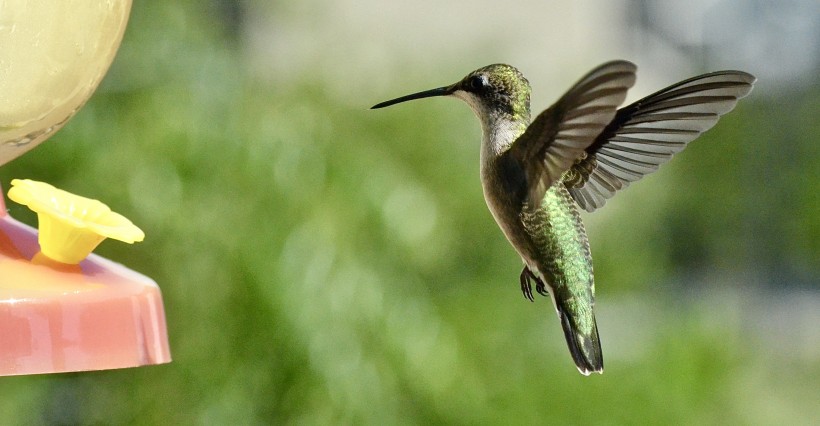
(494, 92)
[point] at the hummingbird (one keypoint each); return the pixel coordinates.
(579, 152)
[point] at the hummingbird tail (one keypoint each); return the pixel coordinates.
(585, 348)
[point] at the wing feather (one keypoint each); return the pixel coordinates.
(647, 133)
(557, 138)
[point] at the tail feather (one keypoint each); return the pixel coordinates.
(585, 348)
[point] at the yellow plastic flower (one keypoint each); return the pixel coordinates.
(71, 226)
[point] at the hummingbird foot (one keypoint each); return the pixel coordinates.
(526, 284)
(541, 288)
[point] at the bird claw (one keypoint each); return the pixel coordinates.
(540, 287)
(526, 284)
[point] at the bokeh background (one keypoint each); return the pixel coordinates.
(322, 263)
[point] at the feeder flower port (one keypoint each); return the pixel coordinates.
(71, 226)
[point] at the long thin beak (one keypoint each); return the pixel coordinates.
(441, 91)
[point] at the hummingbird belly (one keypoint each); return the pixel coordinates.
(551, 240)
(559, 247)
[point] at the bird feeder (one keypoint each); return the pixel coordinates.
(63, 308)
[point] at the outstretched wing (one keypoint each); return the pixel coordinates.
(649, 132)
(557, 138)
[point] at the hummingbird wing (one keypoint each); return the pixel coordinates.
(647, 133)
(556, 139)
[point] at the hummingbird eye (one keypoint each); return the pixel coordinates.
(477, 82)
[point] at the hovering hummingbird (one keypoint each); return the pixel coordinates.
(577, 153)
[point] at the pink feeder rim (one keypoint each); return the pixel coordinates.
(55, 318)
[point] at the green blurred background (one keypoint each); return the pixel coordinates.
(322, 263)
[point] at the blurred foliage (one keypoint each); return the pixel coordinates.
(323, 264)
